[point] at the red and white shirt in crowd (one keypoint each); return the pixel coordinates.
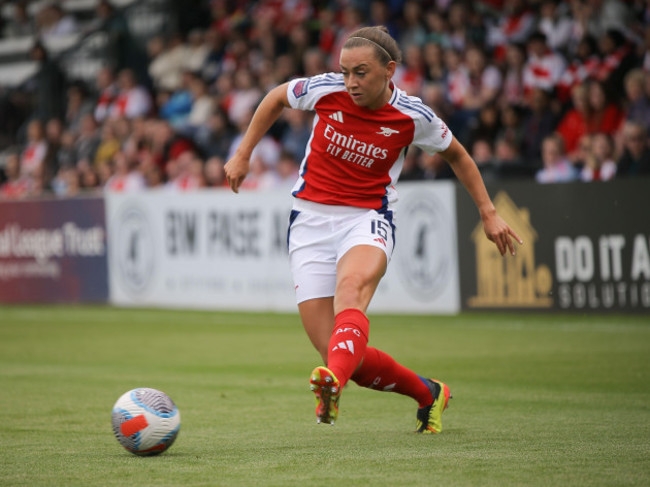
(104, 103)
(543, 71)
(576, 73)
(132, 103)
(355, 154)
(32, 157)
(125, 183)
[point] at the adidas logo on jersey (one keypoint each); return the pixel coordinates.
(338, 116)
(346, 345)
(387, 132)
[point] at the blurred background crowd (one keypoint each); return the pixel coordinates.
(547, 90)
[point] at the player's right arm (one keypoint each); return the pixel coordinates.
(265, 115)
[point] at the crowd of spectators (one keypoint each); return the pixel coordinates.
(542, 89)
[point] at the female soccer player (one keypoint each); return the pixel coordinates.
(341, 231)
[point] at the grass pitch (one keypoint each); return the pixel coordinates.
(538, 400)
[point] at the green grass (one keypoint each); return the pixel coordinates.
(538, 400)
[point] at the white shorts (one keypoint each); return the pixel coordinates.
(319, 235)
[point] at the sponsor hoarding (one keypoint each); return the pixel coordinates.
(217, 250)
(423, 274)
(53, 251)
(586, 248)
(205, 249)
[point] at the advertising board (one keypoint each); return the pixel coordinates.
(586, 248)
(53, 251)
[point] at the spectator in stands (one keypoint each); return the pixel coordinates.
(457, 17)
(328, 30)
(618, 58)
(166, 62)
(215, 177)
(197, 50)
(488, 125)
(66, 155)
(88, 140)
(52, 21)
(107, 90)
(216, 136)
(484, 80)
(380, 14)
(34, 153)
(483, 155)
(78, 106)
(133, 100)
(314, 62)
(604, 15)
(298, 44)
(574, 123)
(175, 107)
(556, 24)
(605, 115)
(411, 168)
(506, 153)
(296, 133)
(88, 178)
(644, 47)
(54, 130)
(47, 85)
(635, 160)
(437, 29)
(122, 50)
(351, 20)
(514, 26)
(599, 164)
(583, 66)
(472, 85)
(126, 176)
(538, 122)
(211, 67)
(108, 146)
(202, 105)
(433, 55)
(261, 175)
(511, 128)
(67, 182)
(557, 166)
(544, 68)
(287, 169)
(244, 98)
(187, 172)
(410, 74)
(17, 184)
(512, 91)
(267, 150)
(21, 24)
(637, 91)
(412, 32)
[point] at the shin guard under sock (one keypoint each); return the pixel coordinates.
(381, 372)
(348, 343)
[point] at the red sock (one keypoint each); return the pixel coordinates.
(348, 343)
(380, 371)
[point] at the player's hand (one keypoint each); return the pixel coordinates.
(236, 170)
(501, 234)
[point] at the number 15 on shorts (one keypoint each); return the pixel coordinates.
(380, 228)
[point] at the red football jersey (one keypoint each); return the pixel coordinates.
(354, 154)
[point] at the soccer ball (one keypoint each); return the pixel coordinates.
(145, 421)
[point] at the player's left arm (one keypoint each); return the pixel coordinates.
(467, 173)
